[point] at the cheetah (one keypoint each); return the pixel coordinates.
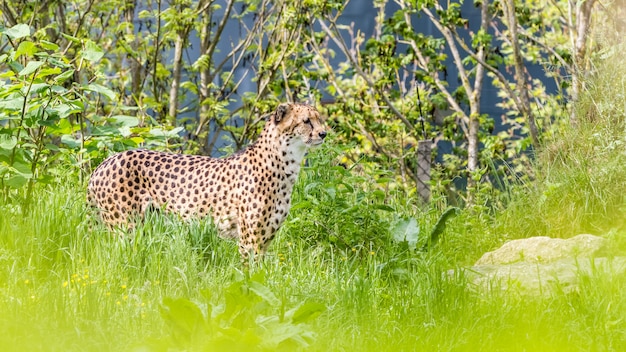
(247, 194)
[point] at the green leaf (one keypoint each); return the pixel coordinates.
(71, 107)
(144, 14)
(70, 38)
(19, 174)
(38, 87)
(64, 76)
(94, 87)
(7, 142)
(48, 71)
(124, 131)
(31, 67)
(15, 181)
(12, 104)
(265, 293)
(18, 31)
(48, 45)
(307, 311)
(125, 120)
(104, 131)
(406, 230)
(70, 141)
(440, 226)
(183, 316)
(92, 52)
(26, 48)
(300, 205)
(384, 207)
(173, 133)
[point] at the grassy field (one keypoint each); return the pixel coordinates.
(334, 279)
(177, 286)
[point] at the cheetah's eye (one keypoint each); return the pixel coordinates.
(307, 120)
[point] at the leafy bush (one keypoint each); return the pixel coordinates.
(335, 206)
(47, 114)
(248, 317)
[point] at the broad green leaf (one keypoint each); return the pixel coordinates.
(48, 45)
(137, 140)
(307, 311)
(173, 133)
(183, 315)
(94, 87)
(300, 205)
(406, 230)
(125, 120)
(70, 141)
(64, 76)
(9, 73)
(15, 181)
(440, 226)
(92, 52)
(26, 48)
(104, 131)
(12, 104)
(265, 293)
(31, 67)
(384, 207)
(143, 14)
(125, 131)
(59, 90)
(23, 168)
(48, 71)
(71, 107)
(62, 127)
(70, 38)
(7, 142)
(18, 31)
(279, 333)
(38, 87)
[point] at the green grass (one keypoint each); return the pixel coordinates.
(334, 279)
(581, 170)
(64, 287)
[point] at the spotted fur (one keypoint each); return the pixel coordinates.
(247, 194)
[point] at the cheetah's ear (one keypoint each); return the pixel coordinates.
(281, 112)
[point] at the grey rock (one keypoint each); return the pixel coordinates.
(543, 249)
(542, 265)
(526, 278)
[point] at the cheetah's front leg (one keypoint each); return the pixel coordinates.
(251, 243)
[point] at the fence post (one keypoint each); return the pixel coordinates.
(424, 148)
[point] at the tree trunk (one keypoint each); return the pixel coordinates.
(473, 163)
(579, 45)
(135, 64)
(179, 45)
(520, 74)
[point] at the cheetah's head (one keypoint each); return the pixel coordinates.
(300, 123)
